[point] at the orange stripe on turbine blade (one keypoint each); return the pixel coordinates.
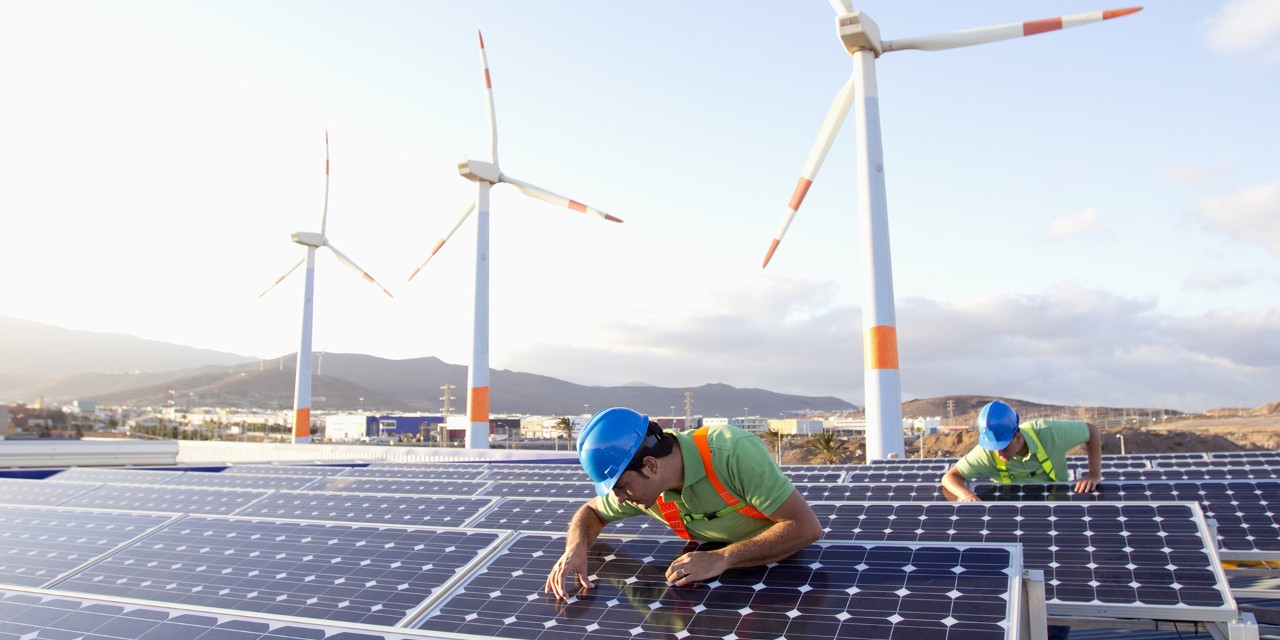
(797, 196)
(481, 36)
(302, 423)
(488, 84)
(369, 278)
(611, 218)
(478, 404)
(577, 206)
(1116, 13)
(881, 348)
(773, 246)
(1033, 27)
(437, 247)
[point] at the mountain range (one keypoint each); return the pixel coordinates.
(62, 365)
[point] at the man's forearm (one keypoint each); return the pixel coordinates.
(775, 543)
(584, 528)
(1094, 448)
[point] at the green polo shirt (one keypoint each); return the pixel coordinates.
(743, 466)
(1057, 436)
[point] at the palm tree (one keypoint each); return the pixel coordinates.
(565, 425)
(828, 447)
(774, 438)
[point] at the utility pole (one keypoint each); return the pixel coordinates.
(447, 389)
(951, 409)
(688, 410)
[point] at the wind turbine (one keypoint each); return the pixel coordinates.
(486, 175)
(861, 38)
(312, 241)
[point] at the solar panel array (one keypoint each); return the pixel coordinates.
(465, 548)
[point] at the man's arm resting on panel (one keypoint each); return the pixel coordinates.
(795, 527)
(583, 530)
(955, 488)
(1094, 448)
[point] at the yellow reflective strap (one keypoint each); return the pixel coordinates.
(1041, 457)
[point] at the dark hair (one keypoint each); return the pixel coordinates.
(657, 443)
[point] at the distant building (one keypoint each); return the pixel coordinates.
(797, 426)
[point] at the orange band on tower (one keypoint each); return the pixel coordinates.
(302, 423)
(881, 347)
(478, 404)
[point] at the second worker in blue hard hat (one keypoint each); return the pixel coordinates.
(1024, 452)
(715, 484)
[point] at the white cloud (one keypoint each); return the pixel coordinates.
(1085, 222)
(1246, 27)
(1215, 281)
(1068, 345)
(1198, 175)
(1251, 215)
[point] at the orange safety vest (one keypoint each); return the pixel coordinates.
(671, 512)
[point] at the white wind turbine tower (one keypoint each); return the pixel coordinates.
(486, 175)
(861, 38)
(312, 241)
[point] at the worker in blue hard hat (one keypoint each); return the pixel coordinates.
(715, 484)
(1012, 451)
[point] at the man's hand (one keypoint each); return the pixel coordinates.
(696, 566)
(569, 566)
(1088, 483)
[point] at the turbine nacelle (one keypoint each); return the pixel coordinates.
(310, 239)
(480, 171)
(858, 32)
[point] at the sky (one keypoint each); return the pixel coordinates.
(1090, 216)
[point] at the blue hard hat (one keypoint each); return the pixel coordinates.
(608, 443)
(997, 422)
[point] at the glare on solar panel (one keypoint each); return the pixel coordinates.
(41, 492)
(541, 489)
(324, 571)
(37, 545)
(165, 498)
(365, 508)
(400, 486)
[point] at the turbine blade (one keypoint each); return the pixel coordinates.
(547, 196)
(286, 275)
(983, 35)
(324, 217)
(355, 267)
(445, 238)
(830, 127)
(841, 6)
(488, 95)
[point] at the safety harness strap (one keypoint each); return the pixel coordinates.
(1041, 457)
(671, 512)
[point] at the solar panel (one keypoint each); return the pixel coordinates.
(115, 476)
(456, 473)
(42, 615)
(286, 470)
(829, 468)
(829, 590)
(504, 475)
(363, 508)
(39, 544)
(164, 498)
(541, 489)
(813, 476)
(552, 515)
(866, 492)
(893, 476)
(1267, 456)
(371, 575)
(40, 492)
(895, 462)
(1153, 558)
(1246, 525)
(403, 486)
(505, 466)
(1220, 463)
(241, 481)
(1226, 473)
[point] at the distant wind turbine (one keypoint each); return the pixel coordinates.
(861, 38)
(312, 241)
(486, 175)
